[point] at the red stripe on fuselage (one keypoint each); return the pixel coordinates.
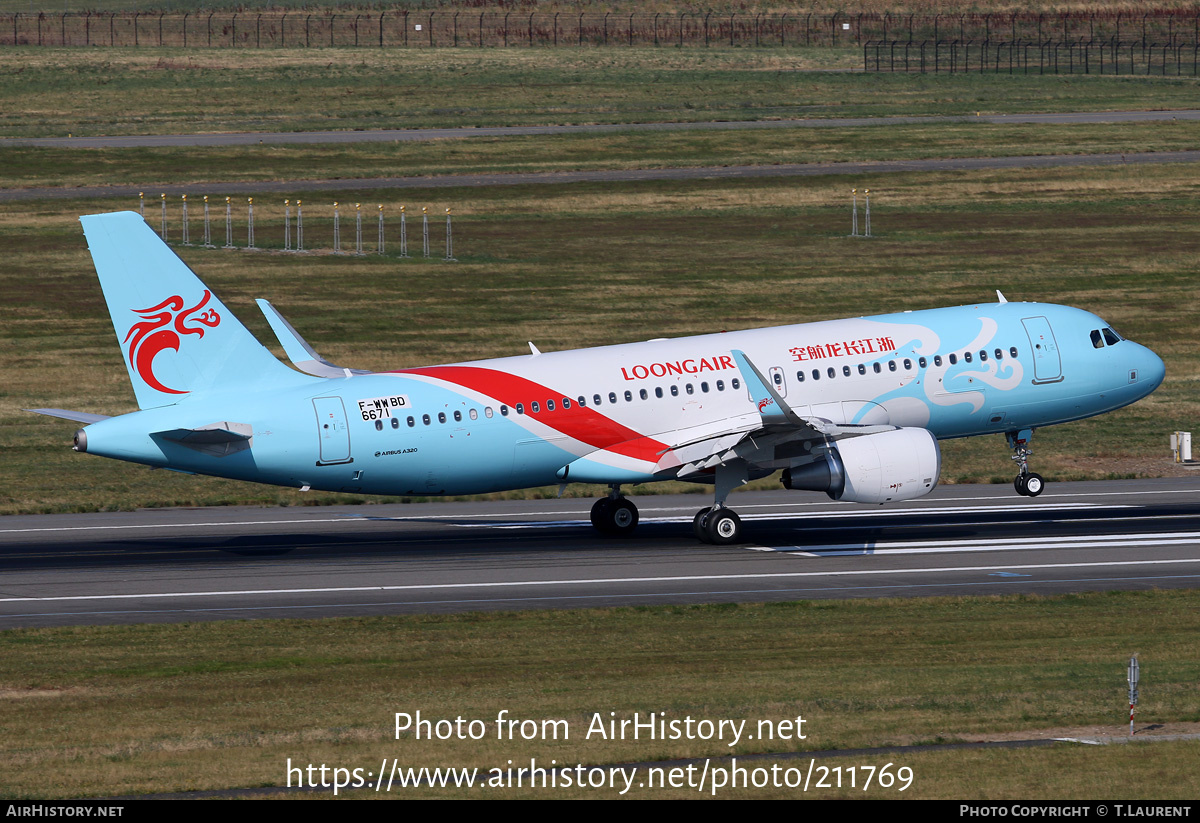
(579, 422)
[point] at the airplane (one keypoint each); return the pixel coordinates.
(853, 408)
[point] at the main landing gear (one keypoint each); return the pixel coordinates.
(717, 524)
(614, 515)
(1029, 484)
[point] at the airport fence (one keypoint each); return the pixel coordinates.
(1033, 57)
(463, 29)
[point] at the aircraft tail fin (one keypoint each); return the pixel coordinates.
(176, 335)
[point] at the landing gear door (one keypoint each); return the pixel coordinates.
(1047, 365)
(332, 430)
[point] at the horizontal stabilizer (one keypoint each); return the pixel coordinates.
(217, 439)
(77, 416)
(303, 356)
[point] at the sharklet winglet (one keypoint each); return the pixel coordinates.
(303, 356)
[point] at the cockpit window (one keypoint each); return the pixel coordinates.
(1097, 340)
(1111, 337)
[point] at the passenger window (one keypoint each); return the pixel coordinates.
(595, 400)
(487, 411)
(937, 360)
(520, 408)
(549, 405)
(658, 391)
(845, 371)
(816, 373)
(474, 414)
(378, 425)
(891, 365)
(877, 367)
(720, 385)
(1013, 351)
(612, 397)
(735, 383)
(644, 394)
(982, 356)
(907, 364)
(441, 417)
(967, 356)
(425, 419)
(566, 402)
(628, 397)
(922, 362)
(778, 378)
(953, 359)
(831, 372)
(457, 416)
(581, 400)
(999, 354)
(533, 407)
(690, 390)
(411, 422)
(674, 391)
(704, 387)
(395, 422)
(504, 411)
(862, 368)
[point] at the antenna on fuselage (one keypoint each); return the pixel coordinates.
(1000, 296)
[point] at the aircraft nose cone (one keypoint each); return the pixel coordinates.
(1151, 369)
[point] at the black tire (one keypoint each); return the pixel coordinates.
(1019, 485)
(723, 527)
(1034, 485)
(602, 515)
(698, 525)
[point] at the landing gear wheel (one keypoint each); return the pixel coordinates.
(1034, 484)
(698, 525)
(617, 517)
(722, 527)
(1019, 485)
(601, 514)
(623, 518)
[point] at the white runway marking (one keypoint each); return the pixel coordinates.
(989, 544)
(600, 580)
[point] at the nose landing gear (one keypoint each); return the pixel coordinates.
(1027, 483)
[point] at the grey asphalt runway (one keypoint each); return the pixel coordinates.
(211, 564)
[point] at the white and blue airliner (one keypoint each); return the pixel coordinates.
(853, 408)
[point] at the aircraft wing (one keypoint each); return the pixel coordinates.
(773, 438)
(303, 356)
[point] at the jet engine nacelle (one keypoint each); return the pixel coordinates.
(876, 468)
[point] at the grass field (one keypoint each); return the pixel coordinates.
(55, 92)
(628, 150)
(137, 709)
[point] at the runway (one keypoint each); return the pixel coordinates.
(250, 563)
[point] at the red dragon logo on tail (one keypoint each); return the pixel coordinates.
(157, 332)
